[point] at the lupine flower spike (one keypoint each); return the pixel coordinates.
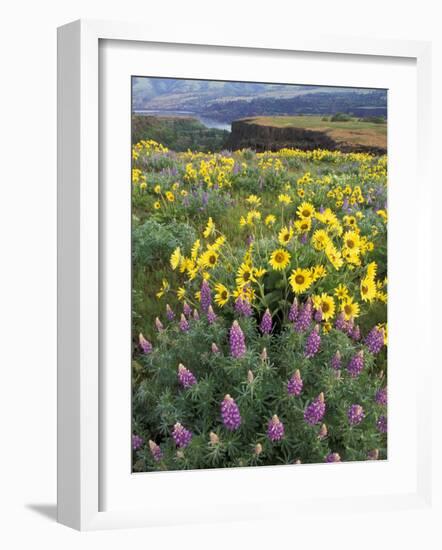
(155, 450)
(356, 364)
(275, 429)
(185, 376)
(181, 436)
(237, 341)
(313, 343)
(294, 385)
(169, 313)
(315, 412)
(137, 442)
(184, 323)
(211, 316)
(266, 322)
(230, 413)
(145, 345)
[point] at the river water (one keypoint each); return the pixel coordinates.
(208, 122)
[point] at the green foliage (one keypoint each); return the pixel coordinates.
(341, 117)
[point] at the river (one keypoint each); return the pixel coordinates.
(208, 122)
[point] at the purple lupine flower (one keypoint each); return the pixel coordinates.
(313, 343)
(137, 442)
(159, 325)
(382, 424)
(318, 315)
(249, 240)
(315, 412)
(356, 364)
(275, 429)
(156, 451)
(215, 348)
(381, 397)
(294, 385)
(243, 307)
(206, 296)
(187, 310)
(196, 315)
(185, 376)
(211, 315)
(332, 457)
(230, 413)
(336, 361)
(304, 318)
(266, 322)
(355, 414)
(237, 341)
(373, 454)
(181, 436)
(323, 432)
(294, 309)
(355, 333)
(169, 313)
(184, 323)
(145, 345)
(375, 340)
(341, 323)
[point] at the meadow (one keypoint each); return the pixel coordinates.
(259, 302)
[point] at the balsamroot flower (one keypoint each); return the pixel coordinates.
(382, 424)
(137, 442)
(266, 322)
(375, 340)
(294, 385)
(181, 436)
(155, 450)
(185, 377)
(381, 397)
(184, 323)
(237, 341)
(187, 310)
(294, 310)
(275, 429)
(313, 343)
(169, 313)
(145, 345)
(243, 307)
(211, 315)
(305, 316)
(355, 414)
(332, 457)
(206, 296)
(336, 361)
(356, 364)
(159, 325)
(230, 413)
(315, 412)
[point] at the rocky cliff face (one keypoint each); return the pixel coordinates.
(271, 138)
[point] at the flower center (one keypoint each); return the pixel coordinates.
(299, 279)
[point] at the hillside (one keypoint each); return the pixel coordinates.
(179, 133)
(308, 132)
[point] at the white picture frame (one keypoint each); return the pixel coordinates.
(79, 274)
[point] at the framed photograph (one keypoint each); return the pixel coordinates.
(235, 291)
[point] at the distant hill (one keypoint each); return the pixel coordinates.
(227, 101)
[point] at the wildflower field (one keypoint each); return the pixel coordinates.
(259, 308)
